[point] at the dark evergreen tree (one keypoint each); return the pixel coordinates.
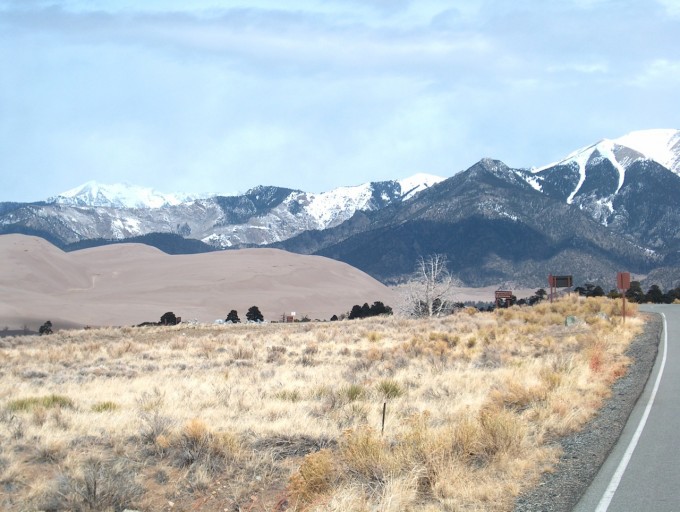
(635, 293)
(655, 295)
(365, 310)
(355, 313)
(590, 290)
(614, 294)
(533, 300)
(233, 317)
(169, 318)
(46, 328)
(673, 295)
(597, 292)
(334, 318)
(254, 315)
(378, 308)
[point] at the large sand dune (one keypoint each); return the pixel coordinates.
(130, 283)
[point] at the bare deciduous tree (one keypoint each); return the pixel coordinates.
(429, 288)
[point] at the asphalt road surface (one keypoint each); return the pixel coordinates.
(642, 474)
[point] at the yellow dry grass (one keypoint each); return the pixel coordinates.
(276, 417)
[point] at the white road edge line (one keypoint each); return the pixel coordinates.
(618, 474)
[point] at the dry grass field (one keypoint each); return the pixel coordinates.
(289, 416)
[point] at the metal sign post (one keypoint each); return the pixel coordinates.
(623, 284)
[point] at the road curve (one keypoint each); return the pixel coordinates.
(642, 473)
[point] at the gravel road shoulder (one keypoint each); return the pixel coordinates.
(586, 450)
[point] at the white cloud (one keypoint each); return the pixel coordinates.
(672, 7)
(660, 73)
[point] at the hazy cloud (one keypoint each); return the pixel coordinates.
(222, 96)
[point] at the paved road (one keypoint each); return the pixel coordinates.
(642, 474)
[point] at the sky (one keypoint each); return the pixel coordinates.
(209, 96)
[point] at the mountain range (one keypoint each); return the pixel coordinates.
(606, 207)
(261, 216)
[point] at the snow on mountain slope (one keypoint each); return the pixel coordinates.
(324, 206)
(260, 216)
(414, 184)
(341, 203)
(661, 145)
(303, 211)
(117, 195)
(328, 207)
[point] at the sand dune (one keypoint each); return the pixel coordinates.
(130, 283)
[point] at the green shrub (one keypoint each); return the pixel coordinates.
(354, 392)
(48, 401)
(105, 406)
(290, 396)
(390, 388)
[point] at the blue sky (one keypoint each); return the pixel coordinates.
(220, 96)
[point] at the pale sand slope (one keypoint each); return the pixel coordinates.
(127, 284)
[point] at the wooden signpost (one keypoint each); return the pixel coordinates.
(556, 282)
(503, 294)
(623, 284)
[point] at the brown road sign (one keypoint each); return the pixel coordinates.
(503, 294)
(623, 280)
(560, 281)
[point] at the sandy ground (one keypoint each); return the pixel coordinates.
(128, 284)
(131, 283)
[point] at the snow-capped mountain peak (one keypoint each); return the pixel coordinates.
(661, 145)
(414, 184)
(117, 195)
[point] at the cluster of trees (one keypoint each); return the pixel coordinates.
(253, 315)
(537, 297)
(590, 290)
(635, 293)
(365, 311)
(654, 295)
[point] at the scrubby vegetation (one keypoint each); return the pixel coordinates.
(289, 416)
(654, 295)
